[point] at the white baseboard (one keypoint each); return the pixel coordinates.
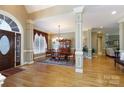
(89, 57)
(39, 56)
(79, 70)
(27, 62)
(31, 62)
(24, 63)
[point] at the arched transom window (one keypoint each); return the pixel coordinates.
(8, 24)
(40, 44)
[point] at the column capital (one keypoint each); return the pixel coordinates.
(78, 9)
(30, 21)
(121, 20)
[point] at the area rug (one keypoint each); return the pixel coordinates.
(55, 62)
(11, 71)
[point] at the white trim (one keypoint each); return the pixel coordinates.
(39, 56)
(20, 30)
(89, 57)
(15, 50)
(90, 49)
(24, 63)
(78, 53)
(30, 62)
(27, 62)
(121, 50)
(78, 9)
(28, 51)
(78, 70)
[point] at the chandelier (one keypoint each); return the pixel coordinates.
(59, 37)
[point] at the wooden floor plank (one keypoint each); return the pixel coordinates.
(98, 72)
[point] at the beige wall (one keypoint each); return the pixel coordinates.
(95, 42)
(70, 35)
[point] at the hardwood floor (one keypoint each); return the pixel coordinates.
(98, 72)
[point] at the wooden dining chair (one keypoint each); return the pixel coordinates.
(72, 56)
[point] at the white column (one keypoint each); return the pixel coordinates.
(89, 44)
(29, 42)
(78, 39)
(2, 78)
(121, 36)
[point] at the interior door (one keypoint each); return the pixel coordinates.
(7, 49)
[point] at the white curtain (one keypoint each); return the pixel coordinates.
(40, 44)
(36, 44)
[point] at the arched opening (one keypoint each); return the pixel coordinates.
(10, 31)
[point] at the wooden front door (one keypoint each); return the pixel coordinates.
(7, 49)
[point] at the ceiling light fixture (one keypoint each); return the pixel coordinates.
(114, 12)
(59, 35)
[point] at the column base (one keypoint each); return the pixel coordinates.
(79, 62)
(79, 70)
(89, 54)
(89, 57)
(30, 62)
(2, 78)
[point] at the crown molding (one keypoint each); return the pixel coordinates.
(78, 9)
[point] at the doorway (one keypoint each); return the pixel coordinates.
(10, 49)
(11, 44)
(100, 43)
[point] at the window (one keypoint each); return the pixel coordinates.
(40, 44)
